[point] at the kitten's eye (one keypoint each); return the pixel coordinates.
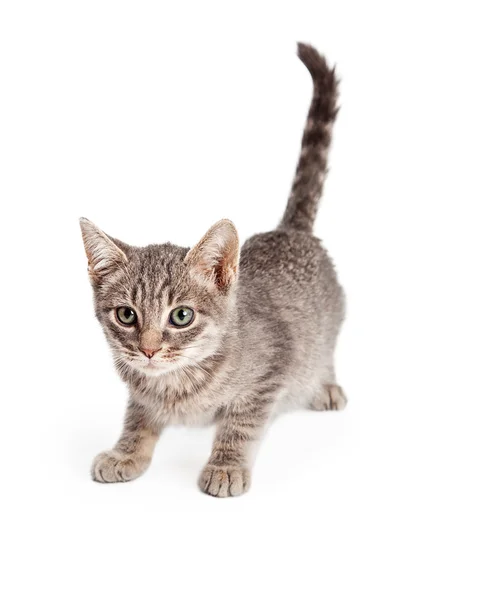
(126, 315)
(182, 316)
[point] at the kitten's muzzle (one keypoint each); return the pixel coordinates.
(148, 352)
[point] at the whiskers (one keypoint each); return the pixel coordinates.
(194, 363)
(122, 366)
(173, 367)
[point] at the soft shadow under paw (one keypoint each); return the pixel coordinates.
(112, 467)
(224, 481)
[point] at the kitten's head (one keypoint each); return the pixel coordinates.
(163, 307)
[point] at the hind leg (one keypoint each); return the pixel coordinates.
(329, 397)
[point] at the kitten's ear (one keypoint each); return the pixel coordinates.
(103, 254)
(216, 256)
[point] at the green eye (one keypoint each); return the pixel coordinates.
(126, 315)
(182, 316)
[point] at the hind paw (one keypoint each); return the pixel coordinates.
(331, 397)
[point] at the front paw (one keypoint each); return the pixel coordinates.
(113, 466)
(224, 481)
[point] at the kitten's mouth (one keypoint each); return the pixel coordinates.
(163, 360)
(159, 366)
(152, 367)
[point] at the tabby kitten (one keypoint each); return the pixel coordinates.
(202, 337)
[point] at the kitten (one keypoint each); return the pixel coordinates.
(202, 337)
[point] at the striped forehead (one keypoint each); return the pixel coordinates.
(158, 276)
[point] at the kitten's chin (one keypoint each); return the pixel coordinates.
(156, 370)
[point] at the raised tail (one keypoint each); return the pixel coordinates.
(312, 166)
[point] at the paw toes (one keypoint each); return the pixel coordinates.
(224, 485)
(112, 467)
(224, 481)
(331, 397)
(215, 483)
(239, 483)
(337, 397)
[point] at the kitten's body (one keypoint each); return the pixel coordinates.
(262, 342)
(284, 297)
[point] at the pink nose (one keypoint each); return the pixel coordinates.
(149, 352)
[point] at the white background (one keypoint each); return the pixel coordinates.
(156, 119)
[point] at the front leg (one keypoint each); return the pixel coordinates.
(228, 471)
(132, 453)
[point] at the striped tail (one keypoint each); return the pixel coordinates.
(312, 166)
